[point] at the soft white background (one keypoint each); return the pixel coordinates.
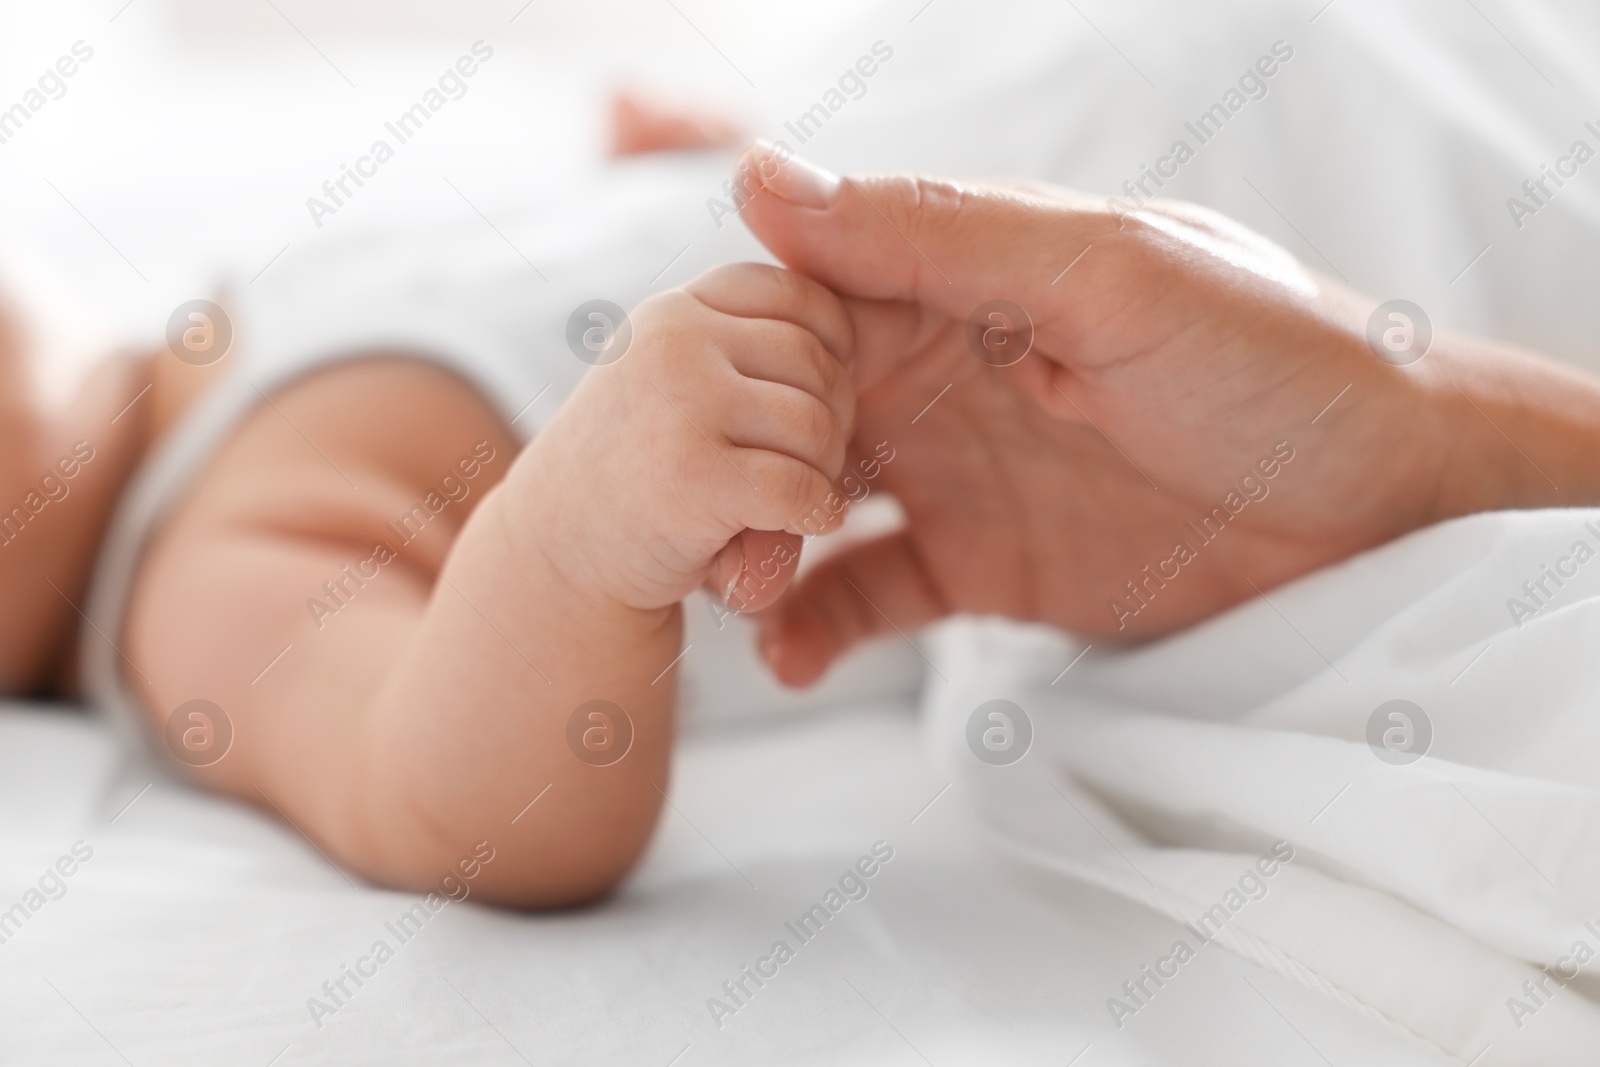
(193, 137)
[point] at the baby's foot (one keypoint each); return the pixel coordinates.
(640, 125)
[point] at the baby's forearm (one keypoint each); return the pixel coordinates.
(527, 713)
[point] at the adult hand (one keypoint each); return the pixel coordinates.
(1197, 417)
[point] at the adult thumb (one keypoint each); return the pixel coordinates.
(948, 248)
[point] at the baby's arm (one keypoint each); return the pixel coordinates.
(426, 714)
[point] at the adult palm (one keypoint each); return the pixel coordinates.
(1196, 418)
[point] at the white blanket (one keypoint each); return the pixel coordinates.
(200, 932)
(1446, 862)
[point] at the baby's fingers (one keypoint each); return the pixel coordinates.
(754, 569)
(788, 421)
(788, 500)
(778, 492)
(759, 291)
(766, 350)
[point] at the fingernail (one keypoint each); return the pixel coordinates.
(791, 178)
(733, 583)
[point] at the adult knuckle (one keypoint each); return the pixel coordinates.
(1138, 252)
(928, 204)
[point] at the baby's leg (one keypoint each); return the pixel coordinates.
(61, 468)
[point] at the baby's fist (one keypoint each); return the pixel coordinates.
(704, 453)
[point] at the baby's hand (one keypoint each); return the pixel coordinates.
(727, 416)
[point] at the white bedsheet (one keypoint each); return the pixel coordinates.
(198, 930)
(1437, 868)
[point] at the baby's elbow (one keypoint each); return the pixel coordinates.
(564, 859)
(573, 855)
(559, 881)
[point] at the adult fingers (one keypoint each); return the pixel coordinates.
(877, 587)
(945, 247)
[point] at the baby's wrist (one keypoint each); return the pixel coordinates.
(541, 517)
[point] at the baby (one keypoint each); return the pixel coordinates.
(511, 636)
(441, 701)
(46, 452)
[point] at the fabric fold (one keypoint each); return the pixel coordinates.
(1431, 764)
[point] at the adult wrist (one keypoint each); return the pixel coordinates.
(1518, 431)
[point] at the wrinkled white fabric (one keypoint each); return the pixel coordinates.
(1423, 893)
